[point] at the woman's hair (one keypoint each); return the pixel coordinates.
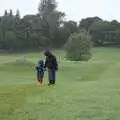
(48, 53)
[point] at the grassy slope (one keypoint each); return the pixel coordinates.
(84, 91)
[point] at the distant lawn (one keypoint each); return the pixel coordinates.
(84, 91)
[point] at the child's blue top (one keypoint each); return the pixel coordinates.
(40, 66)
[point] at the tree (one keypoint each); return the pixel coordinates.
(87, 23)
(51, 20)
(11, 13)
(104, 32)
(46, 7)
(48, 28)
(5, 13)
(78, 47)
(22, 30)
(68, 28)
(17, 14)
(97, 31)
(10, 40)
(6, 24)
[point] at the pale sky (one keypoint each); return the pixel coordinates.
(74, 9)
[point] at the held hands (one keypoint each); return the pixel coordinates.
(45, 69)
(56, 69)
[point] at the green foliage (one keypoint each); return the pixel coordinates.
(18, 14)
(48, 28)
(68, 28)
(46, 7)
(87, 23)
(10, 40)
(51, 20)
(32, 31)
(78, 47)
(102, 32)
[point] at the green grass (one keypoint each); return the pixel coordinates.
(84, 91)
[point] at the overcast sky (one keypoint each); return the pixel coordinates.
(74, 9)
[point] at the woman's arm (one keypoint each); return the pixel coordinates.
(45, 62)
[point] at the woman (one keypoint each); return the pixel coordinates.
(52, 65)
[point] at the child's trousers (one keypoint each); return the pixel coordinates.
(52, 76)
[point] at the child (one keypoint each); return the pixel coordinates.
(40, 72)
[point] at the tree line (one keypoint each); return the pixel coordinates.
(48, 28)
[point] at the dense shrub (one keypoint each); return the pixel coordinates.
(78, 47)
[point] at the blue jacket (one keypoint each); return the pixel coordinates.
(40, 66)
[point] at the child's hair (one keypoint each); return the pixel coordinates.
(41, 63)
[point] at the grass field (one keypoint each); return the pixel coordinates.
(84, 91)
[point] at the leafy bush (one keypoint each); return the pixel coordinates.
(78, 47)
